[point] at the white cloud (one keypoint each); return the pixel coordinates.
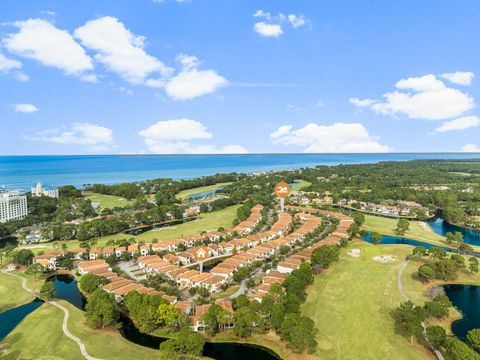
(39, 40)
(25, 108)
(191, 82)
(297, 20)
(94, 137)
(471, 148)
(268, 30)
(321, 103)
(119, 50)
(459, 77)
(49, 12)
(425, 98)
(175, 136)
(6, 64)
(178, 130)
(271, 26)
(337, 137)
(462, 123)
(281, 131)
(361, 103)
(20, 76)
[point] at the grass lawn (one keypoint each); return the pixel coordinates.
(108, 201)
(40, 336)
(416, 290)
(387, 226)
(350, 304)
(206, 222)
(185, 193)
(230, 291)
(12, 293)
(301, 184)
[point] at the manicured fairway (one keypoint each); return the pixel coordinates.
(40, 336)
(209, 221)
(185, 193)
(108, 201)
(387, 226)
(301, 184)
(11, 293)
(350, 305)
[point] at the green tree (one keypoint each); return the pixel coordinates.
(188, 344)
(168, 315)
(437, 253)
(458, 350)
(376, 237)
(419, 251)
(90, 282)
(426, 272)
(408, 320)
(436, 336)
(325, 255)
(34, 270)
(435, 309)
(473, 264)
(243, 321)
(473, 337)
(22, 257)
(445, 269)
(47, 290)
(402, 226)
(353, 229)
(358, 218)
(299, 332)
(101, 309)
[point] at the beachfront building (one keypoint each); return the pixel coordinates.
(40, 190)
(13, 206)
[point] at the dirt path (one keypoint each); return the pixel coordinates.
(438, 354)
(66, 312)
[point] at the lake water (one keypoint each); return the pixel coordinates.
(67, 289)
(442, 227)
(465, 298)
(22, 172)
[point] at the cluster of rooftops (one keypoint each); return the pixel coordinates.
(239, 252)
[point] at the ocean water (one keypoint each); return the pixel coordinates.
(22, 172)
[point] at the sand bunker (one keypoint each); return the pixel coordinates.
(384, 258)
(354, 252)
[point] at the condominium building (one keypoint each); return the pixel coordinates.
(40, 190)
(13, 205)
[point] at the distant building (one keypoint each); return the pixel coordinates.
(40, 190)
(13, 206)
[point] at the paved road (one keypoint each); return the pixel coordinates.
(405, 297)
(66, 312)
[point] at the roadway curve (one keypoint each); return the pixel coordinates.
(66, 312)
(405, 297)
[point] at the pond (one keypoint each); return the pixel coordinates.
(8, 241)
(67, 289)
(466, 298)
(203, 194)
(441, 227)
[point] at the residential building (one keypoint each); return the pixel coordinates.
(40, 190)
(13, 205)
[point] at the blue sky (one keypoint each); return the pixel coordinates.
(230, 76)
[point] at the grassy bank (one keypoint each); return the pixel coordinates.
(350, 304)
(300, 185)
(186, 193)
(108, 201)
(12, 293)
(416, 231)
(40, 336)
